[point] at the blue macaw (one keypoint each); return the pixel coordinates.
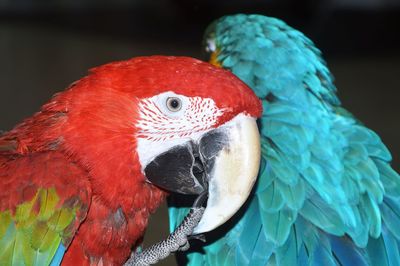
(326, 193)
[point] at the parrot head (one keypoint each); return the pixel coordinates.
(271, 57)
(180, 124)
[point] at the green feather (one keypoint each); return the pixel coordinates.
(32, 235)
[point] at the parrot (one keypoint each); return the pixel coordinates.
(326, 193)
(80, 178)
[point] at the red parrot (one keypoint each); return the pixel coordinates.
(79, 179)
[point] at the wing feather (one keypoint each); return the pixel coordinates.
(41, 207)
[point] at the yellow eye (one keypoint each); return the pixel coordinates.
(174, 104)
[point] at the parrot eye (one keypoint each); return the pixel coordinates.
(171, 104)
(174, 104)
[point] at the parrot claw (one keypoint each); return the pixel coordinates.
(198, 203)
(176, 241)
(200, 237)
(185, 247)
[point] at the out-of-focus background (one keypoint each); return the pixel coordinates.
(46, 45)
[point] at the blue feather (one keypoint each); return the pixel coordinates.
(347, 253)
(392, 248)
(261, 251)
(247, 239)
(58, 256)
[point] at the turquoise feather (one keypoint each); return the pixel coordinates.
(326, 194)
(58, 256)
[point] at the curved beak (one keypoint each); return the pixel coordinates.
(224, 161)
(233, 174)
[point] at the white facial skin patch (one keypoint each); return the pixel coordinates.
(161, 127)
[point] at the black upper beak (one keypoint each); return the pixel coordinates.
(186, 168)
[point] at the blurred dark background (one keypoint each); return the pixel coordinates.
(45, 45)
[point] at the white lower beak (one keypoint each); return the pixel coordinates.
(234, 173)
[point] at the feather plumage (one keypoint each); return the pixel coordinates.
(326, 194)
(40, 214)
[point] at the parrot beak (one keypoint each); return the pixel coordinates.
(232, 156)
(223, 161)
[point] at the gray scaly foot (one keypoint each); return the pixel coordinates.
(177, 240)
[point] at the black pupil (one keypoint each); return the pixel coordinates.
(174, 103)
